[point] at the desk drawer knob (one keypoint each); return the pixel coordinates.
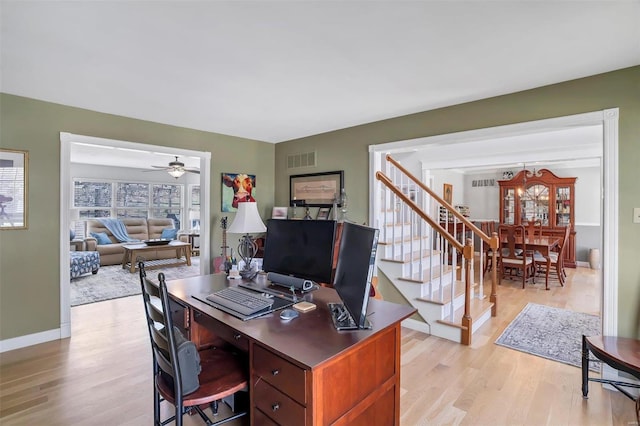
(237, 336)
(275, 372)
(275, 407)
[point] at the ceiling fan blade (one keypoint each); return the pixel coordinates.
(162, 167)
(196, 171)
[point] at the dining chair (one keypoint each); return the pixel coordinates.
(488, 227)
(184, 376)
(534, 228)
(556, 259)
(514, 253)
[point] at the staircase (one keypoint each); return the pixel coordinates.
(426, 251)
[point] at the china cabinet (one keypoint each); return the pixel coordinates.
(541, 196)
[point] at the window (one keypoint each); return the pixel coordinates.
(98, 199)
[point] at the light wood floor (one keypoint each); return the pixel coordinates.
(102, 375)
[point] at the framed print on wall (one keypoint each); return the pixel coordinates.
(447, 193)
(14, 179)
(237, 188)
(317, 189)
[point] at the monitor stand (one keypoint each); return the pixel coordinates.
(342, 319)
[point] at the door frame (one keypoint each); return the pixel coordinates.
(608, 119)
(66, 140)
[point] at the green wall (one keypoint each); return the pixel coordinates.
(347, 150)
(30, 259)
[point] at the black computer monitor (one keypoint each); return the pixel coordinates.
(356, 260)
(300, 248)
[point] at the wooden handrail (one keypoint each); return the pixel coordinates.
(493, 243)
(387, 182)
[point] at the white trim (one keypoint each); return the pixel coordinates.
(610, 223)
(31, 339)
(606, 118)
(587, 224)
(65, 196)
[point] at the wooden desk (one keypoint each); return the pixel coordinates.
(304, 372)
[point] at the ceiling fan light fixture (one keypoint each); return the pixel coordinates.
(176, 172)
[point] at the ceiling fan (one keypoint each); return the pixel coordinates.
(175, 168)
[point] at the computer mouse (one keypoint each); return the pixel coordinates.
(289, 314)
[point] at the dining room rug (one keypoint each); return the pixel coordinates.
(551, 333)
(112, 282)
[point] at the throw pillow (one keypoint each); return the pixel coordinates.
(102, 238)
(169, 234)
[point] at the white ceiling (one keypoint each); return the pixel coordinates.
(278, 70)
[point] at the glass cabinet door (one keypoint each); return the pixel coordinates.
(509, 203)
(563, 205)
(535, 204)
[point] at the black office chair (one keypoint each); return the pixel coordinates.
(222, 373)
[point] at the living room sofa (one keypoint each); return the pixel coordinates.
(140, 229)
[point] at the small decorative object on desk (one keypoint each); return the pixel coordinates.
(234, 274)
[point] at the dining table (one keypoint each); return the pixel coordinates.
(542, 244)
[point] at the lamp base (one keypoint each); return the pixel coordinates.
(248, 274)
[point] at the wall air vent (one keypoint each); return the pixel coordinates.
(305, 159)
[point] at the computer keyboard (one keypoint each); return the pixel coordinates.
(245, 302)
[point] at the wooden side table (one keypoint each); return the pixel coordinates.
(195, 251)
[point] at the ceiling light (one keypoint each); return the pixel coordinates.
(176, 172)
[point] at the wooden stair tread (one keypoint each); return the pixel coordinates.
(478, 308)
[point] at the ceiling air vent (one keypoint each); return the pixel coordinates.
(305, 159)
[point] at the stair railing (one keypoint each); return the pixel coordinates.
(412, 198)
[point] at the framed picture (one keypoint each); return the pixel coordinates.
(317, 189)
(447, 193)
(279, 213)
(323, 213)
(14, 186)
(237, 188)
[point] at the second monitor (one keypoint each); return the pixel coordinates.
(300, 248)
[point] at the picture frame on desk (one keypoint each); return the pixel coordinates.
(279, 213)
(317, 189)
(323, 213)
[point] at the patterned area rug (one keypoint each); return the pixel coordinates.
(112, 282)
(551, 333)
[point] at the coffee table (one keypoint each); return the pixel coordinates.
(132, 251)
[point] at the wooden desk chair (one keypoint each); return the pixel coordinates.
(510, 258)
(556, 259)
(222, 373)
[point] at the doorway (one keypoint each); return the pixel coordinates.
(66, 189)
(479, 148)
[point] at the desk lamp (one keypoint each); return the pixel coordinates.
(247, 221)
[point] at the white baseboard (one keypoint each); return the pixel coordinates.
(30, 339)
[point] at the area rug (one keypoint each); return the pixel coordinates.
(551, 333)
(112, 282)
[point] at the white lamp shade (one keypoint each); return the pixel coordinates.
(247, 220)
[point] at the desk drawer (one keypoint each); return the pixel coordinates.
(261, 419)
(280, 408)
(280, 373)
(222, 331)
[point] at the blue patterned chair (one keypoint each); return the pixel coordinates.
(83, 262)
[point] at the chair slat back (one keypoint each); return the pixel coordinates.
(514, 235)
(534, 228)
(160, 323)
